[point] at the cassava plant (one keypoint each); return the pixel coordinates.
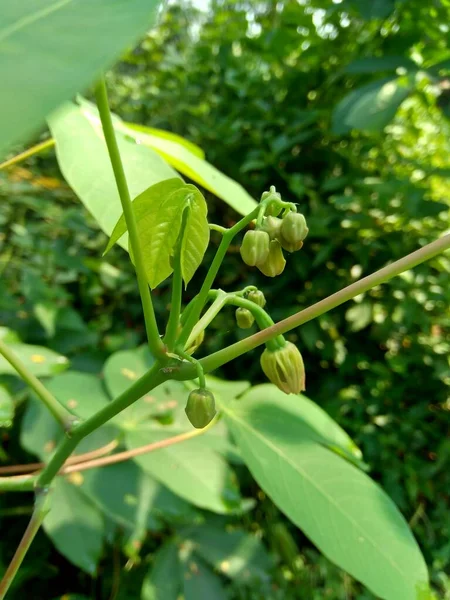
(296, 453)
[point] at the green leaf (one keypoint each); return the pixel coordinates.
(81, 393)
(163, 581)
(40, 361)
(158, 214)
(190, 469)
(161, 134)
(375, 64)
(83, 159)
(122, 369)
(9, 336)
(315, 422)
(359, 316)
(6, 408)
(236, 554)
(146, 207)
(42, 59)
(200, 583)
(75, 526)
(40, 432)
(329, 499)
(117, 490)
(195, 236)
(372, 106)
(193, 166)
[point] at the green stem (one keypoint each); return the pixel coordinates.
(212, 273)
(216, 360)
(198, 366)
(41, 508)
(262, 318)
(27, 153)
(151, 379)
(219, 302)
(177, 289)
(155, 344)
(17, 484)
(61, 414)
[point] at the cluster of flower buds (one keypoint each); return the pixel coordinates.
(200, 408)
(284, 367)
(263, 247)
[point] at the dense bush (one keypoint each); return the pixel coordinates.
(256, 86)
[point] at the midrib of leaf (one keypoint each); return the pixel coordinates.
(33, 18)
(315, 485)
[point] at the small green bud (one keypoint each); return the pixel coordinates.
(257, 297)
(255, 247)
(284, 367)
(290, 247)
(195, 343)
(272, 226)
(274, 208)
(275, 262)
(244, 318)
(200, 408)
(294, 228)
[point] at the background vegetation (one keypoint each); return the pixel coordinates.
(257, 85)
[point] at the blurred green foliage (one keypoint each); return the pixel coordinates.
(256, 84)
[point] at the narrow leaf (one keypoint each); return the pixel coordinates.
(75, 526)
(330, 500)
(52, 49)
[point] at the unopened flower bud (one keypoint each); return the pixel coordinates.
(294, 228)
(255, 247)
(244, 318)
(257, 297)
(275, 262)
(284, 367)
(200, 408)
(195, 343)
(290, 247)
(272, 225)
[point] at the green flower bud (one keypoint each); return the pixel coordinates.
(294, 228)
(255, 247)
(274, 208)
(244, 318)
(257, 297)
(195, 343)
(272, 226)
(284, 367)
(200, 408)
(275, 262)
(290, 247)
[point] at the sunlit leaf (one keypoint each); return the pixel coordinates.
(83, 159)
(45, 63)
(329, 499)
(370, 107)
